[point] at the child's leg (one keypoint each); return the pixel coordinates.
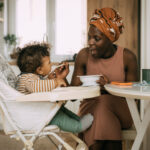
(86, 120)
(66, 123)
(70, 113)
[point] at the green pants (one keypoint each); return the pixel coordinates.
(66, 120)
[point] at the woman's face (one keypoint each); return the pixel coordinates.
(98, 42)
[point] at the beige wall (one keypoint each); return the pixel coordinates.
(128, 9)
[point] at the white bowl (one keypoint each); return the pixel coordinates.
(89, 80)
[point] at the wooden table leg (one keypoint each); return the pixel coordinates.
(140, 125)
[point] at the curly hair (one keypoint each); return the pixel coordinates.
(30, 56)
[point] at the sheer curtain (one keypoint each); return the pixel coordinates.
(30, 20)
(70, 26)
(67, 27)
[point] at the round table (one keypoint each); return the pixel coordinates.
(131, 93)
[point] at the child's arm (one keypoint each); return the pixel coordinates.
(43, 85)
(40, 85)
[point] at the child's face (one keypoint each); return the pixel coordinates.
(46, 66)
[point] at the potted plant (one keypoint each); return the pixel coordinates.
(10, 39)
(1, 6)
(11, 42)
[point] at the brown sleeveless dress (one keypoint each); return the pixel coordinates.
(111, 113)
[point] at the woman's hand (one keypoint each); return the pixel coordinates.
(52, 75)
(62, 71)
(103, 80)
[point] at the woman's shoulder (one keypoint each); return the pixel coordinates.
(83, 52)
(128, 54)
(82, 56)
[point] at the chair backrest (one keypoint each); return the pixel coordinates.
(27, 116)
(6, 73)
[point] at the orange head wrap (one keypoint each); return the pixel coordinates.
(109, 22)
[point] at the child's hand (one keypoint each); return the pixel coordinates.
(62, 71)
(61, 82)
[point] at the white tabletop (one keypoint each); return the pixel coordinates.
(63, 93)
(131, 93)
(139, 92)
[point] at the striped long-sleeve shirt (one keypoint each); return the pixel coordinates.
(29, 83)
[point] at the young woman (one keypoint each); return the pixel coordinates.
(115, 63)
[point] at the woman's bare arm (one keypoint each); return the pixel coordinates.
(130, 66)
(80, 67)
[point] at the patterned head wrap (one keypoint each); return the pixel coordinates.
(109, 22)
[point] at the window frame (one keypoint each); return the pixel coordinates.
(50, 26)
(51, 30)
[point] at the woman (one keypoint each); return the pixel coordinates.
(115, 63)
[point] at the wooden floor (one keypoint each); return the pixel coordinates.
(6, 143)
(43, 143)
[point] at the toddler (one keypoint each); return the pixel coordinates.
(35, 66)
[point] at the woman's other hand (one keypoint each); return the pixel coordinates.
(102, 81)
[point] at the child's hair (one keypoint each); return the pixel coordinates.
(30, 56)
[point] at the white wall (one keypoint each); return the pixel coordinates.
(145, 54)
(145, 34)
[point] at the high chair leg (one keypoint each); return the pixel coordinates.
(66, 145)
(81, 145)
(58, 147)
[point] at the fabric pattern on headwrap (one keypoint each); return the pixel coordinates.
(109, 22)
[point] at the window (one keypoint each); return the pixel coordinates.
(62, 23)
(67, 28)
(30, 20)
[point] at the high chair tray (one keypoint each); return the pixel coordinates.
(63, 93)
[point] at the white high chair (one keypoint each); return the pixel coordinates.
(28, 121)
